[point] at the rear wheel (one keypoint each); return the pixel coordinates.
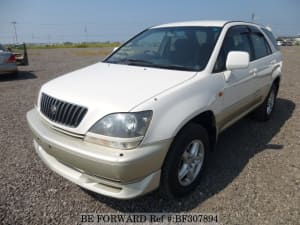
(264, 112)
(185, 162)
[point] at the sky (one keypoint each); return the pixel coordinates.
(54, 21)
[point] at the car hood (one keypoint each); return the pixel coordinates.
(107, 88)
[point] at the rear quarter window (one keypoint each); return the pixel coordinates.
(271, 37)
(260, 45)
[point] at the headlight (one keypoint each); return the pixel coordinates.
(120, 130)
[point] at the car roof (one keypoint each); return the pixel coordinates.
(203, 23)
(200, 23)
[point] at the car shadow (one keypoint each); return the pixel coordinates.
(236, 146)
(21, 75)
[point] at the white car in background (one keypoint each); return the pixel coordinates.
(8, 62)
(150, 113)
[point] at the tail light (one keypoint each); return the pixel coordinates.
(12, 59)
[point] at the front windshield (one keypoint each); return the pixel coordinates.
(181, 48)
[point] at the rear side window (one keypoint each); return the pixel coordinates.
(260, 45)
(271, 37)
(237, 39)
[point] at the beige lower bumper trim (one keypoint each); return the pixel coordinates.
(95, 184)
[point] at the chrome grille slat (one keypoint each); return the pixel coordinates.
(48, 106)
(47, 102)
(70, 113)
(78, 117)
(66, 113)
(75, 112)
(59, 114)
(58, 106)
(43, 104)
(62, 112)
(53, 102)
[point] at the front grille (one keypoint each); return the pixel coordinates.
(62, 112)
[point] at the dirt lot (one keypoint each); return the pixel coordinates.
(252, 178)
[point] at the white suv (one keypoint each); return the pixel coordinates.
(148, 115)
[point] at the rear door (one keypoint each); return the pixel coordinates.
(264, 61)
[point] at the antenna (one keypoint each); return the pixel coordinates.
(86, 33)
(252, 17)
(16, 35)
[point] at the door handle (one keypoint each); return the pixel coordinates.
(253, 71)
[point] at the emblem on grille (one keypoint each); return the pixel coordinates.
(53, 109)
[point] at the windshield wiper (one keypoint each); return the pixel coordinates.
(135, 62)
(140, 62)
(175, 67)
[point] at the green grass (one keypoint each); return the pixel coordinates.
(74, 45)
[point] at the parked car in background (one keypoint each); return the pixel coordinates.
(20, 52)
(12, 57)
(8, 62)
(151, 112)
(287, 43)
(279, 43)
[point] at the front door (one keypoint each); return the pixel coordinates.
(239, 90)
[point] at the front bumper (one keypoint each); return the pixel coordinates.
(116, 173)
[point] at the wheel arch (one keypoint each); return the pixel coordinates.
(208, 121)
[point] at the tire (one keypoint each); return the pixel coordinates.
(265, 110)
(176, 182)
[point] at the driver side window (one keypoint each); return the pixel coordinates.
(236, 39)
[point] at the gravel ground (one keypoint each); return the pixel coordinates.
(252, 178)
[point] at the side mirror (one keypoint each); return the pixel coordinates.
(236, 60)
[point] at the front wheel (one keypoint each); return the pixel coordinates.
(185, 162)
